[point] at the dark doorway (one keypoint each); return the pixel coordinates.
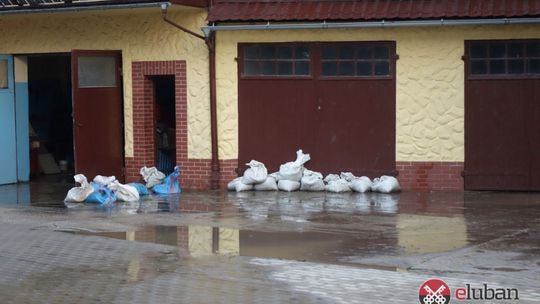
(165, 122)
(50, 113)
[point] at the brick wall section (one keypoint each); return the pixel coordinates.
(182, 237)
(425, 176)
(195, 172)
(147, 234)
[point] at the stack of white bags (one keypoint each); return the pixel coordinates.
(293, 176)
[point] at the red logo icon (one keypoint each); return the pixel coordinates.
(434, 291)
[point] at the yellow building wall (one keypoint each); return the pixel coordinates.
(430, 82)
(141, 35)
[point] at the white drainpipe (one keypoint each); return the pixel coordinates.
(368, 24)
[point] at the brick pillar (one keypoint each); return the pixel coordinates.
(195, 172)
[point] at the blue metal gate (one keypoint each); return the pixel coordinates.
(8, 150)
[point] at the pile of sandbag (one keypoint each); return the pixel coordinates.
(290, 174)
(256, 177)
(159, 183)
(107, 189)
(294, 176)
(103, 190)
(346, 181)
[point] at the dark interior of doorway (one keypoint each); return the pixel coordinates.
(50, 113)
(165, 122)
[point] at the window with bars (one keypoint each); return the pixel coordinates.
(277, 60)
(356, 60)
(504, 58)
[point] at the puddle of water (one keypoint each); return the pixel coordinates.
(312, 246)
(147, 204)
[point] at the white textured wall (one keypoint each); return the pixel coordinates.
(430, 82)
(141, 35)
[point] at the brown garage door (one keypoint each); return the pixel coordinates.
(334, 100)
(502, 115)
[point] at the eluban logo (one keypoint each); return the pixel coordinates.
(486, 293)
(434, 291)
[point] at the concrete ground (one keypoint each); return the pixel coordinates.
(264, 247)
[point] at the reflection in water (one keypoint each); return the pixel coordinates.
(430, 234)
(298, 207)
(15, 195)
(201, 241)
(134, 269)
(147, 204)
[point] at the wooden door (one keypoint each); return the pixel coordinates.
(502, 119)
(98, 113)
(335, 100)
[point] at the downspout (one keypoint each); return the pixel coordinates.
(210, 42)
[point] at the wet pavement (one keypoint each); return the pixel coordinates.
(264, 247)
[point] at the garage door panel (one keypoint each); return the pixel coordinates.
(499, 130)
(273, 120)
(497, 182)
(501, 116)
(356, 131)
(346, 123)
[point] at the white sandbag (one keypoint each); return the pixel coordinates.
(312, 173)
(348, 176)
(239, 186)
(268, 185)
(361, 184)
(79, 194)
(338, 186)
(311, 183)
(301, 158)
(104, 180)
(256, 174)
(331, 177)
(124, 193)
(231, 186)
(275, 175)
(288, 185)
(293, 171)
(152, 176)
(386, 184)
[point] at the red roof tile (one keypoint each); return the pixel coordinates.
(282, 10)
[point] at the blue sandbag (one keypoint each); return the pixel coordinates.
(101, 195)
(140, 188)
(170, 183)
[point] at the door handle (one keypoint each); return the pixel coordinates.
(79, 124)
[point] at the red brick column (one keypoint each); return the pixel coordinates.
(425, 176)
(195, 172)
